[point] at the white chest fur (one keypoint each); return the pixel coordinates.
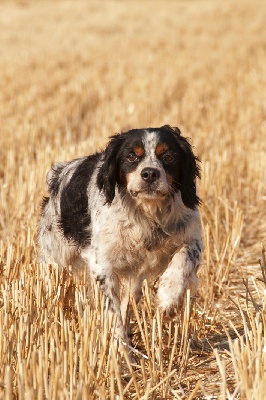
(132, 241)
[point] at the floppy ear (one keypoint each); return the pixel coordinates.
(189, 171)
(108, 174)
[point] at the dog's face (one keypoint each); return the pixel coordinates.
(150, 164)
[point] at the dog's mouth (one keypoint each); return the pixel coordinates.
(148, 193)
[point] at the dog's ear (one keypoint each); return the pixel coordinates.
(108, 174)
(189, 172)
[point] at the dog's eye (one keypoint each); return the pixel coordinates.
(167, 158)
(132, 157)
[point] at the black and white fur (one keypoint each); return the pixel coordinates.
(128, 213)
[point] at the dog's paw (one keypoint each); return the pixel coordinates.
(169, 303)
(170, 313)
(172, 310)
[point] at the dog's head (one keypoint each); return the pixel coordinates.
(150, 164)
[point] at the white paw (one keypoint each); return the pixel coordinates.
(170, 298)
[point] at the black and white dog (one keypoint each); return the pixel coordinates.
(128, 213)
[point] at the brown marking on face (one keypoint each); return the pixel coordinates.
(161, 148)
(139, 151)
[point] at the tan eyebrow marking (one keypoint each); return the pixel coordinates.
(139, 151)
(161, 148)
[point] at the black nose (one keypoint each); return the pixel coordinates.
(150, 174)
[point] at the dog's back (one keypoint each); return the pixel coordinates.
(65, 218)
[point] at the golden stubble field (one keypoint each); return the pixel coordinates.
(74, 73)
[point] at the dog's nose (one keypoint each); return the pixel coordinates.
(150, 174)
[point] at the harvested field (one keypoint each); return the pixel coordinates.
(74, 73)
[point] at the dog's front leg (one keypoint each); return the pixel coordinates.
(131, 289)
(178, 277)
(110, 285)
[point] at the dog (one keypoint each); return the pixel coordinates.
(128, 213)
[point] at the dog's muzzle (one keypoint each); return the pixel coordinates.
(150, 175)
